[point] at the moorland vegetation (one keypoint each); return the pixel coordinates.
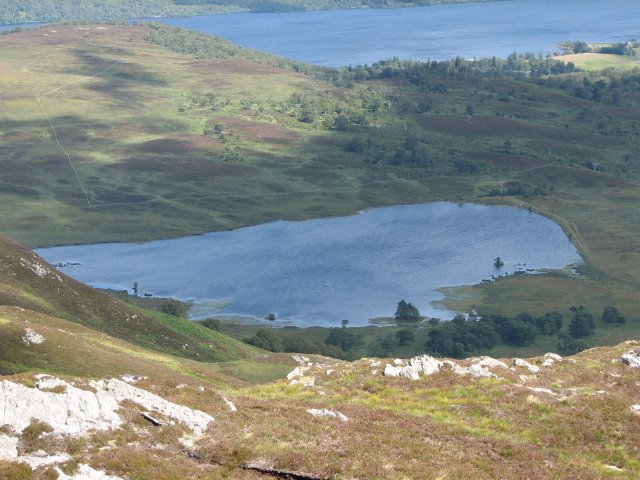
(165, 132)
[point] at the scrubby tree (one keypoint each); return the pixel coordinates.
(404, 336)
(175, 307)
(568, 346)
(582, 323)
(550, 323)
(211, 323)
(267, 340)
(406, 312)
(611, 314)
(343, 338)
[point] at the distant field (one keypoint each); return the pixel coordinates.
(599, 61)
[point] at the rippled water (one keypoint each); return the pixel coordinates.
(354, 37)
(318, 272)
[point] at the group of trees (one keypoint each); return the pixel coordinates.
(463, 336)
(406, 312)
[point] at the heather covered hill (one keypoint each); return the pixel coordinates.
(29, 282)
(13, 11)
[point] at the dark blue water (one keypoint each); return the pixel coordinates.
(352, 37)
(318, 272)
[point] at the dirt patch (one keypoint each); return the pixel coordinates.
(233, 67)
(59, 34)
(482, 125)
(579, 177)
(185, 169)
(181, 144)
(253, 131)
(504, 160)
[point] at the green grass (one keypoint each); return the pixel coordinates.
(600, 61)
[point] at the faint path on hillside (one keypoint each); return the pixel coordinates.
(53, 128)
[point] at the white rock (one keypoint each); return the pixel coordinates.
(631, 358)
(553, 356)
(519, 362)
(614, 468)
(476, 370)
(301, 359)
(398, 361)
(327, 413)
(405, 372)
(195, 419)
(230, 405)
(40, 459)
(542, 390)
(32, 337)
(73, 412)
(48, 382)
(296, 372)
(8, 447)
(85, 472)
(636, 409)
(548, 363)
(304, 381)
(490, 362)
(375, 363)
(179, 386)
(131, 378)
(426, 364)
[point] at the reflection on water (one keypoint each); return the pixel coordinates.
(318, 272)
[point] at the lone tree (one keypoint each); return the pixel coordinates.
(498, 263)
(611, 314)
(175, 307)
(407, 312)
(582, 323)
(404, 336)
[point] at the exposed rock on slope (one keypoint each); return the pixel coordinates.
(69, 410)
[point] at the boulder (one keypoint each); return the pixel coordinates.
(405, 372)
(327, 413)
(519, 362)
(631, 358)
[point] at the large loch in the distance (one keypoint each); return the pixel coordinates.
(439, 32)
(319, 272)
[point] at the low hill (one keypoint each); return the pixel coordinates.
(12, 11)
(27, 281)
(545, 417)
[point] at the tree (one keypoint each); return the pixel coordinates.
(135, 288)
(175, 307)
(405, 312)
(211, 323)
(405, 336)
(550, 323)
(267, 340)
(611, 314)
(568, 346)
(582, 323)
(498, 263)
(343, 338)
(344, 323)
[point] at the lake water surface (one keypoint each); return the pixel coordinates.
(318, 272)
(353, 37)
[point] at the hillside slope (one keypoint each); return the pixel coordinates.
(29, 282)
(424, 418)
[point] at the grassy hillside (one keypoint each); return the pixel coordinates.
(28, 282)
(572, 419)
(13, 11)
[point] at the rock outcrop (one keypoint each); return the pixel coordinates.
(327, 413)
(631, 358)
(70, 410)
